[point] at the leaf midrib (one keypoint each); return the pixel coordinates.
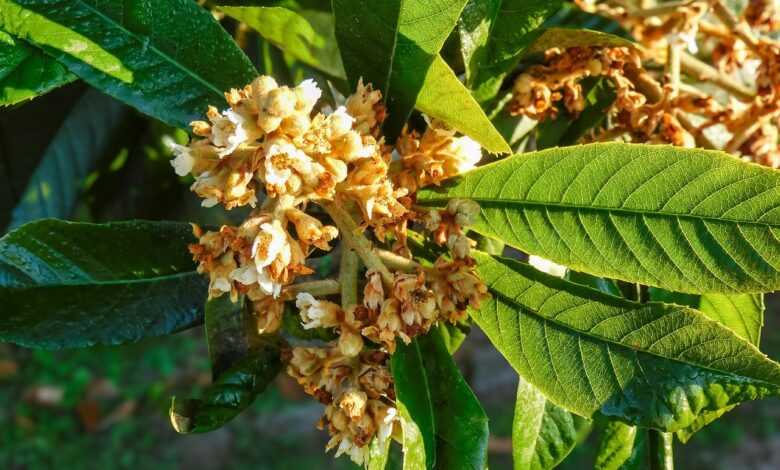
(488, 202)
(151, 47)
(523, 308)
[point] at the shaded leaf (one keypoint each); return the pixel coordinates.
(623, 447)
(392, 44)
(84, 137)
(415, 407)
(243, 363)
(142, 53)
(685, 219)
(543, 434)
(65, 284)
(570, 16)
(651, 364)
(461, 423)
(496, 54)
(26, 71)
(307, 35)
(231, 393)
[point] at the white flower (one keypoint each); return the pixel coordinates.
(183, 161)
(386, 428)
(340, 122)
(280, 160)
(271, 243)
(232, 129)
(308, 94)
(468, 153)
(547, 266)
(316, 313)
(246, 275)
(359, 455)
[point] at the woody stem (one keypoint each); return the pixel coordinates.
(354, 239)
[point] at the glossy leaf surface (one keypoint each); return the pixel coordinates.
(392, 44)
(243, 363)
(26, 71)
(65, 284)
(685, 219)
(490, 57)
(168, 58)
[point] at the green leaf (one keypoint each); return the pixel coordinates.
(444, 97)
(378, 454)
(453, 335)
(307, 35)
(461, 423)
(65, 284)
(243, 363)
(744, 315)
(26, 72)
(543, 434)
(741, 313)
(688, 220)
(622, 447)
(429, 386)
(651, 364)
(85, 136)
(495, 55)
(392, 44)
(168, 58)
(415, 407)
(231, 393)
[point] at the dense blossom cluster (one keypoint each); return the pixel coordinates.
(278, 151)
(660, 108)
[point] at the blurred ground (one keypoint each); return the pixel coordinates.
(107, 408)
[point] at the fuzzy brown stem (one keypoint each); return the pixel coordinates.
(315, 288)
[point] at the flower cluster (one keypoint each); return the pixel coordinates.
(277, 150)
(357, 392)
(659, 108)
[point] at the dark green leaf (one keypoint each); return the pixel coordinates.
(392, 44)
(84, 137)
(543, 433)
(168, 58)
(243, 363)
(650, 364)
(686, 219)
(415, 406)
(65, 284)
(307, 35)
(26, 71)
(461, 424)
(231, 393)
(496, 54)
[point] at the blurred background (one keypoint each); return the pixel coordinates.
(78, 154)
